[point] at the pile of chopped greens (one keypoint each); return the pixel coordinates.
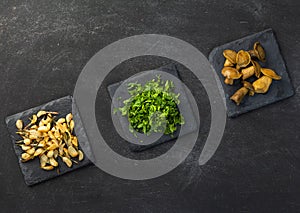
(152, 107)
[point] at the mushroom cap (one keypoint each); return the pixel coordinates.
(262, 84)
(230, 72)
(230, 55)
(243, 58)
(259, 51)
(227, 63)
(257, 67)
(270, 73)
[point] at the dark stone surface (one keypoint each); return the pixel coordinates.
(147, 76)
(44, 46)
(278, 90)
(31, 170)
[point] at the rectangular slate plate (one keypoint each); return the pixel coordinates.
(31, 170)
(171, 69)
(278, 90)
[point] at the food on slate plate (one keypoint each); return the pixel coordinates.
(49, 138)
(242, 64)
(152, 107)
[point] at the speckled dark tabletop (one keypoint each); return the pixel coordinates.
(45, 45)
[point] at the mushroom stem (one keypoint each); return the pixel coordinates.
(252, 53)
(248, 72)
(228, 81)
(238, 96)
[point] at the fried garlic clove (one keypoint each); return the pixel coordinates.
(61, 149)
(38, 152)
(53, 162)
(66, 152)
(27, 141)
(50, 153)
(19, 124)
(41, 113)
(47, 167)
(72, 151)
(43, 129)
(31, 151)
(55, 153)
(61, 120)
(80, 155)
(53, 146)
(42, 144)
(69, 117)
(25, 157)
(25, 148)
(75, 141)
(43, 160)
(33, 119)
(67, 161)
(72, 124)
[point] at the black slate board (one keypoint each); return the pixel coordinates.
(171, 69)
(279, 90)
(31, 170)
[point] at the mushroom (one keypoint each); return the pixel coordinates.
(243, 58)
(227, 63)
(249, 86)
(258, 52)
(228, 81)
(262, 84)
(248, 72)
(230, 56)
(238, 96)
(270, 73)
(230, 74)
(257, 67)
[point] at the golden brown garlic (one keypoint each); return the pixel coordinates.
(48, 139)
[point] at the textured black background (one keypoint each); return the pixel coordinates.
(44, 46)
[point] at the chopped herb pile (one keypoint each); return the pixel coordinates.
(152, 107)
